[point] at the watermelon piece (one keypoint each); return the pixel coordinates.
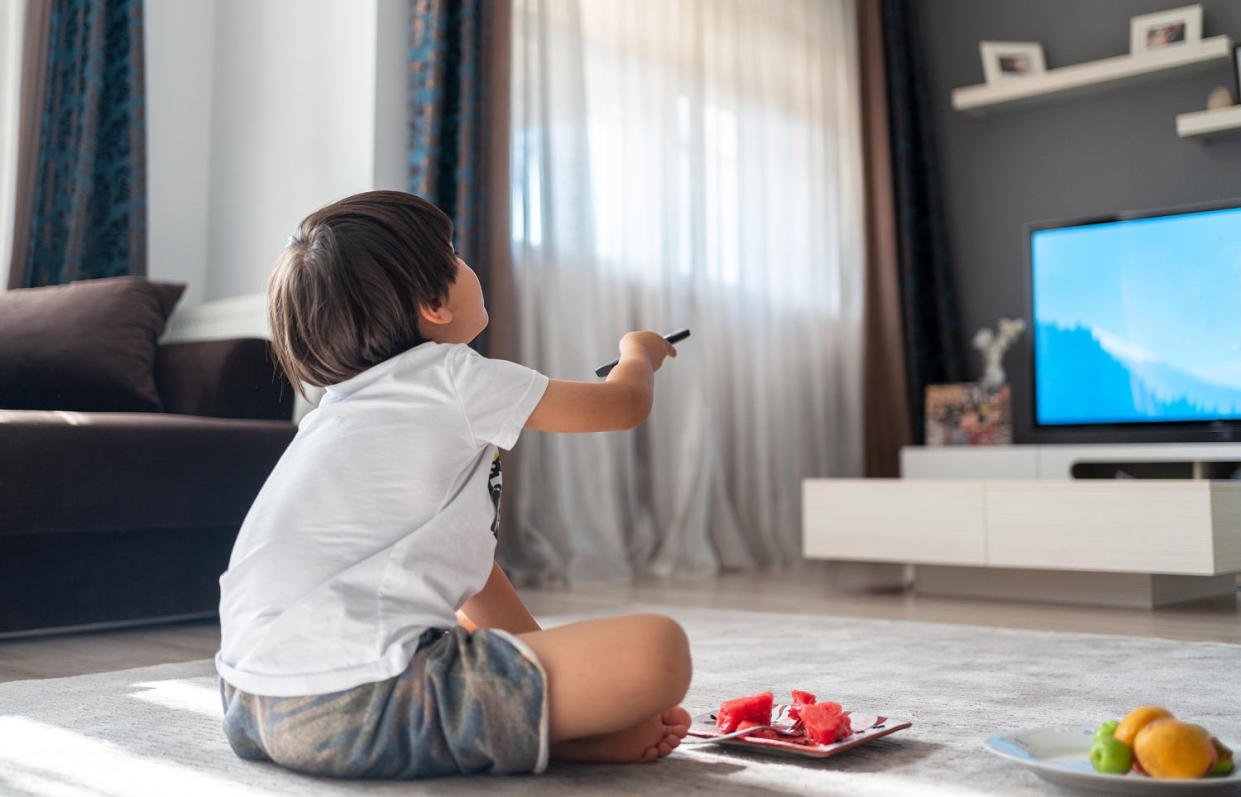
(761, 729)
(800, 699)
(756, 708)
(826, 722)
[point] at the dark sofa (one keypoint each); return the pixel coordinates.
(112, 518)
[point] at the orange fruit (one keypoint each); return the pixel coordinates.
(1137, 719)
(1169, 748)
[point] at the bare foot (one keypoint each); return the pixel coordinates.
(648, 740)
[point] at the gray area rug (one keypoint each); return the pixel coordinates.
(156, 730)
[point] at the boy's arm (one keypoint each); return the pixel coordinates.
(497, 605)
(621, 402)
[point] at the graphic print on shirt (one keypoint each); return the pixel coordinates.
(495, 485)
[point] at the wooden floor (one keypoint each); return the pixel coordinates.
(816, 588)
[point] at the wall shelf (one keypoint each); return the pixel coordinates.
(1068, 81)
(1220, 121)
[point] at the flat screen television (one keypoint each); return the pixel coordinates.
(1134, 327)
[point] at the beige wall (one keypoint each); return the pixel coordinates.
(11, 20)
(258, 113)
(180, 50)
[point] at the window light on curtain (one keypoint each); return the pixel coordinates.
(681, 163)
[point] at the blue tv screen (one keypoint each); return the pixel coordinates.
(1138, 321)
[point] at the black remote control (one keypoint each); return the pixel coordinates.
(675, 337)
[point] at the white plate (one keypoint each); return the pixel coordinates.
(866, 728)
(1062, 755)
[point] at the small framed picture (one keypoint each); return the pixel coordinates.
(1004, 60)
(1165, 29)
(968, 414)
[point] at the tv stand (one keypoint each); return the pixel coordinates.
(1140, 525)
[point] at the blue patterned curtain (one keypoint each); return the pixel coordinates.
(448, 117)
(928, 300)
(89, 213)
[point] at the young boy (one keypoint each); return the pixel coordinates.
(366, 629)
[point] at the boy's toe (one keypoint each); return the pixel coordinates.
(676, 718)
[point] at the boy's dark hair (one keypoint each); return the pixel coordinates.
(345, 292)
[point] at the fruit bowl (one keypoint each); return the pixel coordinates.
(1062, 756)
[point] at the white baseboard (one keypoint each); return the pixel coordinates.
(235, 317)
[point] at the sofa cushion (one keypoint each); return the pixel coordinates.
(235, 378)
(87, 346)
(72, 471)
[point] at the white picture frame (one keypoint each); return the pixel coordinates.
(1171, 28)
(1011, 60)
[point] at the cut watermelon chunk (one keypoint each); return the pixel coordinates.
(800, 700)
(756, 708)
(826, 722)
(760, 729)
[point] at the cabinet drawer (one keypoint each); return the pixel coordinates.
(1145, 526)
(894, 520)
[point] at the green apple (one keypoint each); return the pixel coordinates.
(1111, 756)
(1105, 731)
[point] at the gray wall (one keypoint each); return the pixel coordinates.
(1113, 150)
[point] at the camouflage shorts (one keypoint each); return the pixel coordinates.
(466, 703)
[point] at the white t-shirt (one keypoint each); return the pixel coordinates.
(376, 524)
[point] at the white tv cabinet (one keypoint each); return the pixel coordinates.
(1012, 522)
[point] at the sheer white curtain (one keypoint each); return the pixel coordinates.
(686, 163)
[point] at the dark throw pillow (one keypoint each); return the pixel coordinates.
(88, 345)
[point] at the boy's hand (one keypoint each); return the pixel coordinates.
(621, 402)
(651, 344)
